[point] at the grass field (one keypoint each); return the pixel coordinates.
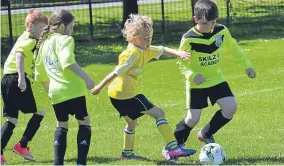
(253, 137)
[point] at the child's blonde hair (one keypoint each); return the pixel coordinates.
(135, 24)
(33, 16)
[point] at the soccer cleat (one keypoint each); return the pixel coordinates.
(24, 152)
(173, 154)
(3, 161)
(131, 156)
(206, 140)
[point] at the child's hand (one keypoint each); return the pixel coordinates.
(250, 72)
(199, 79)
(90, 83)
(96, 90)
(22, 83)
(184, 55)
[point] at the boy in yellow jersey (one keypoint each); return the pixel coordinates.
(16, 88)
(122, 90)
(55, 62)
(207, 43)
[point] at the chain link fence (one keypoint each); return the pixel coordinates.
(97, 19)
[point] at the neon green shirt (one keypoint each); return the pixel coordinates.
(26, 45)
(55, 55)
(206, 53)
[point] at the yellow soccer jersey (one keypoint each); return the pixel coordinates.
(206, 53)
(130, 65)
(26, 45)
(54, 56)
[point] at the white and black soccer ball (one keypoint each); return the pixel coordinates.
(212, 154)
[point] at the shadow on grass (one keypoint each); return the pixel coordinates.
(254, 160)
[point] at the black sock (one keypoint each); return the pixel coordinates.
(60, 139)
(182, 132)
(6, 133)
(83, 143)
(31, 129)
(217, 122)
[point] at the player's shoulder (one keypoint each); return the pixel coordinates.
(220, 27)
(26, 40)
(190, 34)
(65, 38)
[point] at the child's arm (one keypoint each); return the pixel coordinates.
(82, 74)
(103, 83)
(237, 52)
(186, 66)
(20, 68)
(184, 55)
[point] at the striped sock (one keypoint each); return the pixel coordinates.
(128, 145)
(166, 132)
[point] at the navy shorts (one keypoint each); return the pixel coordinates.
(76, 106)
(15, 100)
(132, 107)
(199, 97)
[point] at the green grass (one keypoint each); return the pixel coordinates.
(253, 137)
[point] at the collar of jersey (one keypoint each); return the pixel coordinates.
(131, 45)
(201, 34)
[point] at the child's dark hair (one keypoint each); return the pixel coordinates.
(206, 9)
(57, 18)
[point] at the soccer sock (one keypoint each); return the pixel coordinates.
(60, 138)
(31, 130)
(128, 141)
(182, 132)
(166, 132)
(83, 143)
(217, 122)
(6, 133)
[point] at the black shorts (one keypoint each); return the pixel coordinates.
(75, 106)
(15, 100)
(198, 97)
(132, 107)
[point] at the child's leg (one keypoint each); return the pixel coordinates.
(129, 136)
(7, 131)
(163, 126)
(83, 140)
(60, 139)
(184, 127)
(32, 128)
(222, 117)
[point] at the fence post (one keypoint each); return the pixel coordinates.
(163, 19)
(10, 23)
(228, 12)
(91, 20)
(192, 10)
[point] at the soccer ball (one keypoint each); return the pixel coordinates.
(212, 154)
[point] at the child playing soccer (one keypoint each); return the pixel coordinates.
(207, 42)
(16, 88)
(55, 61)
(122, 91)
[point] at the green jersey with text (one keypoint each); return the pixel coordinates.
(206, 52)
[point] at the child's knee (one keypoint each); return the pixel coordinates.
(42, 113)
(12, 120)
(158, 113)
(86, 121)
(62, 124)
(131, 125)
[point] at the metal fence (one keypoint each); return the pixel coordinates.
(96, 19)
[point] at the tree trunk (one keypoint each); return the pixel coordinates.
(129, 6)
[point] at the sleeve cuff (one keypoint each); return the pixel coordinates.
(161, 53)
